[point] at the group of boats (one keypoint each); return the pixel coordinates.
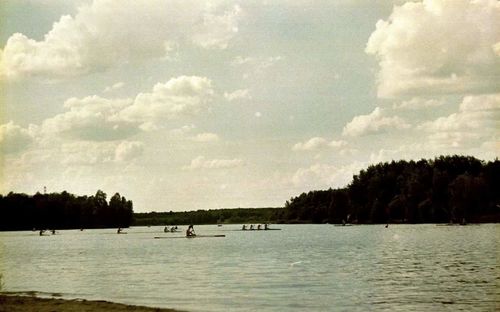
(171, 229)
(259, 227)
(191, 234)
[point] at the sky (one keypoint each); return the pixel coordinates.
(184, 105)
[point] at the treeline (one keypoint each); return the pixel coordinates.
(213, 216)
(447, 189)
(63, 211)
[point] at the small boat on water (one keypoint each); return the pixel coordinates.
(193, 236)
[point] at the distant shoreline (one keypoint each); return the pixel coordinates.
(18, 303)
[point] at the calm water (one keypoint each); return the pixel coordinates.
(302, 267)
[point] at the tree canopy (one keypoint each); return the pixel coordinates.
(63, 211)
(446, 189)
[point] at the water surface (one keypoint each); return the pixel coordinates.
(301, 267)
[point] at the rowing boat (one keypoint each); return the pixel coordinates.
(254, 230)
(195, 236)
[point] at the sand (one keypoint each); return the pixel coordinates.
(10, 303)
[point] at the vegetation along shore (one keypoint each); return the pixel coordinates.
(447, 189)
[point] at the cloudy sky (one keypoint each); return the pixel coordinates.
(183, 105)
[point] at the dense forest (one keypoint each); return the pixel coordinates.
(454, 189)
(458, 189)
(213, 216)
(63, 211)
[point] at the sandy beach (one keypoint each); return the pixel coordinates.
(10, 303)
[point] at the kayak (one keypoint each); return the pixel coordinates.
(196, 236)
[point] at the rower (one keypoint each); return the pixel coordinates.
(266, 226)
(119, 231)
(165, 229)
(244, 227)
(258, 227)
(190, 231)
(251, 227)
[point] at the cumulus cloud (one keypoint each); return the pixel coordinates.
(128, 150)
(206, 137)
(115, 86)
(373, 123)
(202, 163)
(438, 46)
(91, 118)
(105, 33)
(255, 65)
(321, 176)
(477, 121)
(217, 29)
(88, 153)
(417, 104)
(318, 143)
(84, 153)
(96, 118)
(237, 95)
(14, 138)
(181, 96)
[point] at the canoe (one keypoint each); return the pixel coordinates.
(197, 236)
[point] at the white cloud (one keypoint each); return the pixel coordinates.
(216, 30)
(83, 153)
(317, 143)
(323, 176)
(202, 163)
(91, 118)
(179, 132)
(14, 138)
(115, 86)
(477, 121)
(128, 150)
(237, 95)
(96, 118)
(417, 104)
(258, 114)
(181, 96)
(206, 137)
(373, 123)
(105, 33)
(438, 46)
(255, 65)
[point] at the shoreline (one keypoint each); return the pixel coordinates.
(20, 303)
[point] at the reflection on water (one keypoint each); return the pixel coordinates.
(302, 267)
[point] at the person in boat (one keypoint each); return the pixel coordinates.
(251, 227)
(244, 227)
(190, 231)
(53, 232)
(165, 229)
(41, 232)
(266, 226)
(258, 227)
(119, 231)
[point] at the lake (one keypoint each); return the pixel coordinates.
(301, 267)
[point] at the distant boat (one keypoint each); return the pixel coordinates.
(194, 236)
